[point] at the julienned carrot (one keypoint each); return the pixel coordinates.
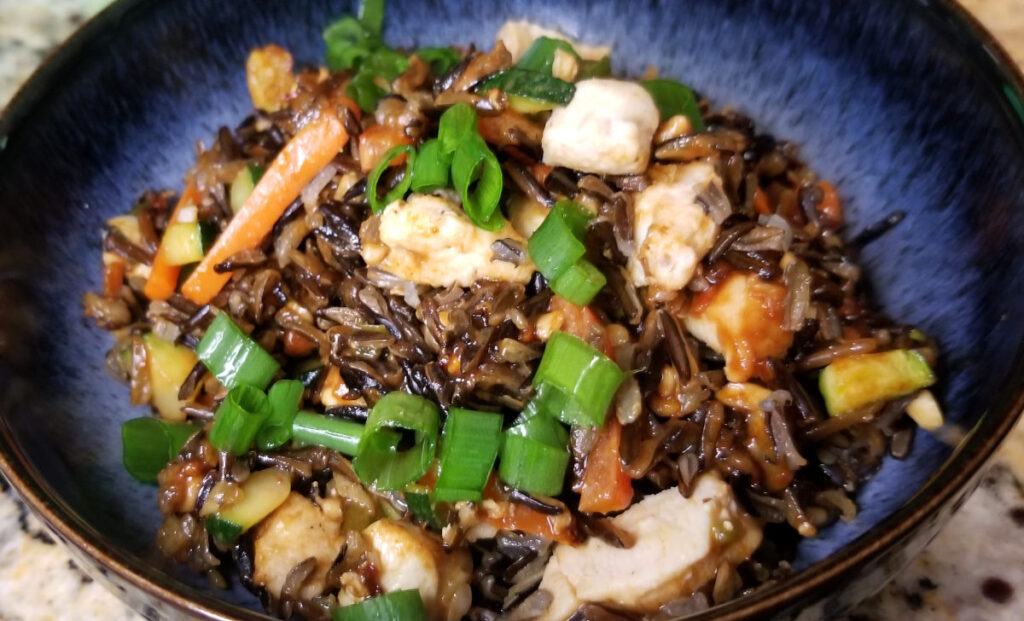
(606, 488)
(302, 158)
(163, 277)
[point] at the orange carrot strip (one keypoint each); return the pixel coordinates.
(163, 277)
(606, 487)
(113, 277)
(375, 142)
(302, 158)
(761, 205)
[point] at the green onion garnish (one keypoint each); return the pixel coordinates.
(337, 434)
(557, 244)
(531, 85)
(284, 397)
(673, 98)
(432, 168)
(478, 179)
(397, 192)
(594, 68)
(540, 56)
(371, 16)
(379, 460)
(397, 605)
(148, 444)
(532, 465)
(417, 497)
(233, 357)
(457, 125)
(440, 59)
(582, 373)
(580, 283)
(469, 446)
(238, 419)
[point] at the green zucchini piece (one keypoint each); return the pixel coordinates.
(262, 492)
(853, 382)
(242, 186)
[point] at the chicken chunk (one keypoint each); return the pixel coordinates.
(428, 240)
(741, 318)
(410, 558)
(671, 230)
(519, 35)
(294, 532)
(680, 543)
(607, 128)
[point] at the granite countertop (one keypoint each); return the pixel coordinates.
(972, 570)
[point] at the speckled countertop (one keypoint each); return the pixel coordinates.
(973, 570)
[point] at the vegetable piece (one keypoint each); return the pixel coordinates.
(399, 605)
(432, 170)
(268, 73)
(397, 192)
(186, 242)
(113, 276)
(417, 497)
(606, 488)
(262, 492)
(925, 411)
(169, 365)
(312, 148)
(855, 381)
(557, 243)
(540, 56)
(348, 42)
(531, 465)
(540, 92)
(518, 516)
(243, 185)
(539, 420)
(148, 444)
(238, 419)
(457, 125)
(477, 177)
(673, 98)
(469, 446)
(163, 277)
(310, 428)
(595, 68)
(379, 461)
(284, 398)
(233, 357)
(583, 374)
(830, 208)
(371, 15)
(440, 59)
(378, 140)
(580, 283)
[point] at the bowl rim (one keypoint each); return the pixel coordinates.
(952, 482)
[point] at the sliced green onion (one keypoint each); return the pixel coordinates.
(348, 43)
(378, 204)
(312, 429)
(557, 244)
(233, 357)
(673, 98)
(365, 91)
(581, 372)
(540, 56)
(262, 492)
(469, 446)
(440, 59)
(417, 497)
(371, 14)
(457, 125)
(538, 87)
(238, 419)
(284, 397)
(149, 444)
(531, 465)
(477, 177)
(539, 420)
(432, 169)
(396, 605)
(594, 68)
(379, 460)
(580, 283)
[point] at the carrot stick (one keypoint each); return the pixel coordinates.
(163, 277)
(606, 488)
(302, 158)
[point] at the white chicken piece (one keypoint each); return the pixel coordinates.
(671, 229)
(741, 318)
(295, 531)
(519, 35)
(428, 240)
(680, 543)
(410, 558)
(606, 128)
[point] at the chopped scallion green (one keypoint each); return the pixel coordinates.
(148, 444)
(238, 419)
(380, 460)
(469, 446)
(583, 374)
(312, 429)
(397, 192)
(233, 357)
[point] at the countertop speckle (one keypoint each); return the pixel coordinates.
(972, 571)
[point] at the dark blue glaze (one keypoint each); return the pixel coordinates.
(897, 102)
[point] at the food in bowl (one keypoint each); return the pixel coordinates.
(446, 333)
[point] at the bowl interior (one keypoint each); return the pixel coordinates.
(893, 101)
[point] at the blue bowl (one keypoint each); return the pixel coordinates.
(906, 105)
